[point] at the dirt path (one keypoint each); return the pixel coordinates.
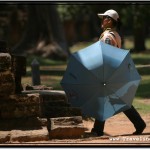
(118, 131)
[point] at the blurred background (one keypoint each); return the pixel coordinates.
(51, 31)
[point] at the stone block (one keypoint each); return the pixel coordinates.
(60, 103)
(66, 127)
(4, 137)
(27, 123)
(18, 65)
(60, 111)
(5, 61)
(37, 87)
(53, 95)
(21, 105)
(7, 83)
(29, 135)
(43, 121)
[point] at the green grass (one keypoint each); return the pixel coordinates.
(142, 107)
(141, 59)
(79, 46)
(129, 43)
(143, 90)
(147, 43)
(44, 61)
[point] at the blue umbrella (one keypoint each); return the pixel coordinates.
(101, 79)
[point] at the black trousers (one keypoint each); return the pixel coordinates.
(132, 115)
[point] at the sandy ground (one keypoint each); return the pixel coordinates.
(118, 132)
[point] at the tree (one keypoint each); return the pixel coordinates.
(44, 33)
(135, 19)
(80, 22)
(139, 12)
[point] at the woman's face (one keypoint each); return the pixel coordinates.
(106, 22)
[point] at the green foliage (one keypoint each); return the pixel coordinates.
(133, 16)
(72, 11)
(140, 60)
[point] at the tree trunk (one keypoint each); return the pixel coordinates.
(139, 30)
(139, 40)
(44, 34)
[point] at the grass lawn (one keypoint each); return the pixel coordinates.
(52, 72)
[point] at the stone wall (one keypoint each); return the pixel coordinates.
(28, 115)
(20, 105)
(7, 81)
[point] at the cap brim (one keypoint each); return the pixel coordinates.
(101, 15)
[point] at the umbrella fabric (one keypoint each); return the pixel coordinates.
(101, 79)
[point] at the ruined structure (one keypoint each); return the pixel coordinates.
(33, 114)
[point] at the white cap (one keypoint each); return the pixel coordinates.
(111, 13)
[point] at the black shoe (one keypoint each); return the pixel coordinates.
(139, 131)
(100, 133)
(97, 132)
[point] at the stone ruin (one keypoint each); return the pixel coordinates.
(36, 113)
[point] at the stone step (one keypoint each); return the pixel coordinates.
(55, 111)
(20, 105)
(7, 83)
(4, 137)
(59, 103)
(53, 95)
(23, 130)
(65, 127)
(37, 87)
(29, 135)
(24, 135)
(31, 123)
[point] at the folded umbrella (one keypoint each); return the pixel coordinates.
(101, 79)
